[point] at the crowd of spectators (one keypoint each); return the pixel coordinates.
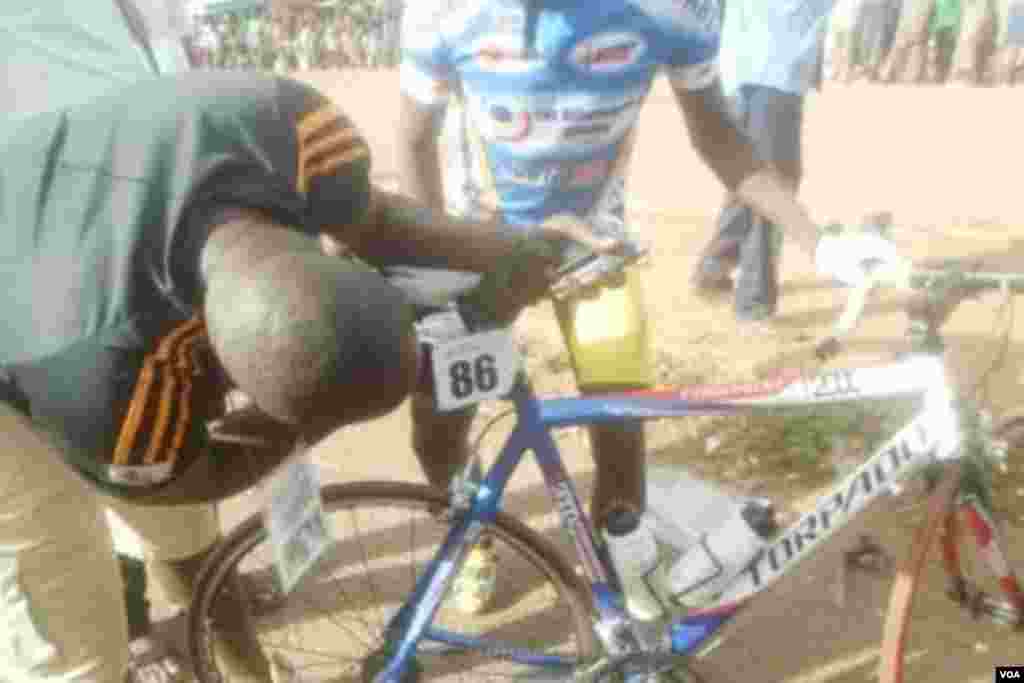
(967, 42)
(320, 38)
(961, 42)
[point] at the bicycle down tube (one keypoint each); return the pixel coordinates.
(932, 434)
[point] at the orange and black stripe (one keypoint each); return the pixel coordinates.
(161, 406)
(327, 142)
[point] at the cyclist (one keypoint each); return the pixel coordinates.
(545, 99)
(770, 60)
(160, 250)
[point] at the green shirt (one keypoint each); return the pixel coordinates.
(105, 207)
(55, 53)
(946, 16)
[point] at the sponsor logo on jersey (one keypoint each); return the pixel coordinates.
(509, 125)
(574, 133)
(493, 54)
(608, 52)
(566, 175)
(590, 173)
(516, 121)
(543, 174)
(499, 53)
(684, 15)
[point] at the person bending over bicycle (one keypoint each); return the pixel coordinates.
(547, 98)
(159, 251)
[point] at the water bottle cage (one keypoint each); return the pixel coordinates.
(679, 597)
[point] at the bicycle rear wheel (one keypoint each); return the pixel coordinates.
(980, 574)
(385, 533)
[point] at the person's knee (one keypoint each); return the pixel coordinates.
(433, 430)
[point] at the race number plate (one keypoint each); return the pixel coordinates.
(294, 517)
(476, 368)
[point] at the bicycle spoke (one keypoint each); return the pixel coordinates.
(327, 628)
(341, 627)
(412, 551)
(366, 563)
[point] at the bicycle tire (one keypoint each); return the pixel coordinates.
(251, 533)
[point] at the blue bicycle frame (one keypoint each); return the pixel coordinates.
(933, 434)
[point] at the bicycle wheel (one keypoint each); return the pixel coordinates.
(385, 533)
(980, 575)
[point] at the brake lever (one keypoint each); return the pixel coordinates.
(830, 345)
(594, 269)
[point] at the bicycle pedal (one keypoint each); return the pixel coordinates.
(1000, 612)
(868, 557)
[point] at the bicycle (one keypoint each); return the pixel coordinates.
(944, 442)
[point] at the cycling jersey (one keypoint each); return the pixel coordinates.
(550, 92)
(104, 209)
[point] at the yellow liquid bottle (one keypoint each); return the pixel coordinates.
(607, 336)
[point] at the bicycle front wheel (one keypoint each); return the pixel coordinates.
(537, 627)
(979, 560)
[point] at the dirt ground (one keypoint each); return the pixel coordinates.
(943, 161)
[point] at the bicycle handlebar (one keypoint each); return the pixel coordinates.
(592, 270)
(953, 283)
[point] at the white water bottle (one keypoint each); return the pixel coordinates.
(634, 552)
(704, 569)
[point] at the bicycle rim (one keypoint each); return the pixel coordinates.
(384, 535)
(908, 578)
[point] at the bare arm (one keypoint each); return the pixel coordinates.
(727, 150)
(410, 228)
(419, 161)
(403, 231)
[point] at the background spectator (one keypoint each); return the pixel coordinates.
(977, 39)
(770, 57)
(908, 58)
(1013, 57)
(945, 30)
(844, 47)
(875, 32)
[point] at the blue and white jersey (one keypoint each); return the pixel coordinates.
(548, 93)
